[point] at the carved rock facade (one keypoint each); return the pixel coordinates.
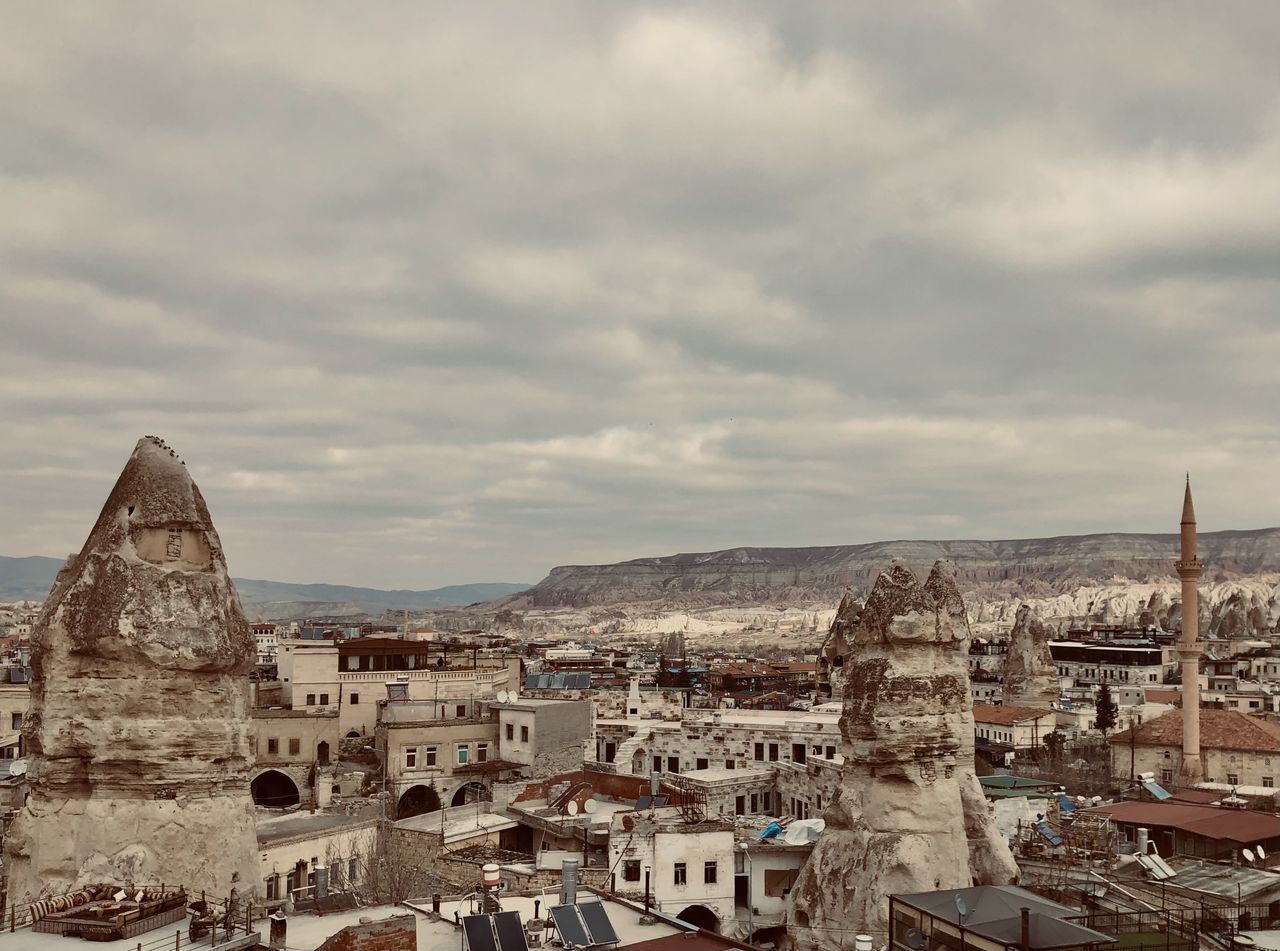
(139, 731)
(910, 815)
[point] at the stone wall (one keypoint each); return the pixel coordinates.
(390, 934)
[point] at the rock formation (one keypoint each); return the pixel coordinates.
(139, 730)
(909, 815)
(1030, 676)
(834, 651)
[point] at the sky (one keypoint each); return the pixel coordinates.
(442, 293)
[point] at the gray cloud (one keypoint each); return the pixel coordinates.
(430, 294)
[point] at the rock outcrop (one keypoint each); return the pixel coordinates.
(1030, 676)
(834, 652)
(139, 730)
(909, 815)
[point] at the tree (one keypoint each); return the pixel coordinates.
(1106, 709)
(1053, 743)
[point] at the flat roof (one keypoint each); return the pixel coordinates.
(275, 829)
(624, 918)
(1245, 826)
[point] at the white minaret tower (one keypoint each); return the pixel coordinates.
(1189, 646)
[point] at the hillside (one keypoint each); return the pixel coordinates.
(31, 578)
(1032, 567)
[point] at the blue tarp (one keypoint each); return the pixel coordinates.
(770, 831)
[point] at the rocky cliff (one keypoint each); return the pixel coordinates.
(991, 570)
(139, 730)
(1030, 676)
(909, 815)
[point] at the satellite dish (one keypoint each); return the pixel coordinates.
(961, 908)
(915, 939)
(502, 696)
(18, 767)
(1259, 850)
(1248, 855)
(572, 807)
(591, 806)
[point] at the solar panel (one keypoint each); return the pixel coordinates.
(478, 932)
(644, 802)
(660, 800)
(1048, 833)
(569, 924)
(510, 933)
(531, 682)
(1156, 789)
(598, 923)
(1065, 804)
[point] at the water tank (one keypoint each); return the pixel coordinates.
(1143, 842)
(569, 882)
(862, 942)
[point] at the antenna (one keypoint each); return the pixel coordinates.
(961, 908)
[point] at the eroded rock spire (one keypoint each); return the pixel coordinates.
(139, 732)
(910, 815)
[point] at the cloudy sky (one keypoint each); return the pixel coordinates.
(436, 293)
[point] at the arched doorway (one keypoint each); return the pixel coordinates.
(637, 763)
(274, 789)
(322, 753)
(700, 916)
(418, 800)
(353, 734)
(469, 793)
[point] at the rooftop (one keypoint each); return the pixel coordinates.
(1219, 729)
(276, 829)
(458, 823)
(994, 911)
(1245, 826)
(1006, 715)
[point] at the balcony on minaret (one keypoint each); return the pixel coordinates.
(1190, 568)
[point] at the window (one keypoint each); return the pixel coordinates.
(773, 752)
(730, 764)
(755, 803)
(673, 764)
(1166, 776)
(631, 870)
(740, 806)
(429, 756)
(511, 731)
(273, 746)
(760, 751)
(524, 734)
(355, 699)
(681, 876)
(15, 721)
(324, 699)
(831, 752)
(1268, 782)
(410, 757)
(709, 873)
(462, 710)
(295, 746)
(353, 866)
(778, 881)
(1233, 779)
(311, 700)
(701, 763)
(798, 751)
(482, 752)
(273, 887)
(463, 752)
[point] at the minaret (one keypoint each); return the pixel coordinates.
(1189, 646)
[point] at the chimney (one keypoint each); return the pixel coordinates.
(279, 930)
(1026, 928)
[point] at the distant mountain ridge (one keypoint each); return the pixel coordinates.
(30, 579)
(1032, 567)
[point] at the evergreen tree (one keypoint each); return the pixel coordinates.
(1106, 709)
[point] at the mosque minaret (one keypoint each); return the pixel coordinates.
(1189, 646)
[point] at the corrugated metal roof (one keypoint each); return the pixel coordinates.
(1245, 826)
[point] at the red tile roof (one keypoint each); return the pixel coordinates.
(1007, 716)
(1219, 730)
(1164, 696)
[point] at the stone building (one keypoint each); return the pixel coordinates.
(1235, 748)
(289, 747)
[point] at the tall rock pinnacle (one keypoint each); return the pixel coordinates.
(910, 815)
(139, 731)
(1030, 676)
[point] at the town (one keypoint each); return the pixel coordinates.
(321, 783)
